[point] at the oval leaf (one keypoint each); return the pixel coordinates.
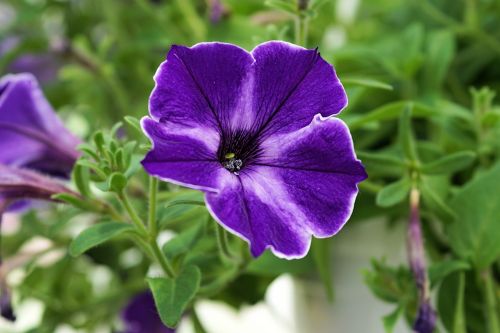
(172, 296)
(97, 234)
(474, 234)
(393, 193)
(450, 164)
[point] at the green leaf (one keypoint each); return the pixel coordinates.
(366, 82)
(450, 164)
(321, 254)
(134, 123)
(389, 164)
(440, 51)
(74, 201)
(441, 270)
(391, 319)
(390, 111)
(97, 234)
(451, 305)
(406, 136)
(474, 235)
(184, 241)
(435, 202)
(81, 177)
(172, 296)
(117, 182)
(394, 193)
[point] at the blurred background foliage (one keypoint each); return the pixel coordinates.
(439, 58)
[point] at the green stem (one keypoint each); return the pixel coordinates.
(133, 214)
(222, 241)
(491, 302)
(298, 30)
(165, 265)
(153, 192)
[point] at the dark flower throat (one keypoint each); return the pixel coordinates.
(237, 149)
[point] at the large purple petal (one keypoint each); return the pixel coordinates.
(292, 84)
(183, 155)
(304, 184)
(257, 208)
(201, 86)
(31, 134)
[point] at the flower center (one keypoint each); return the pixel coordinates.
(237, 149)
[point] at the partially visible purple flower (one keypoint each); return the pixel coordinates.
(217, 10)
(254, 132)
(21, 184)
(426, 316)
(43, 65)
(6, 310)
(31, 134)
(140, 316)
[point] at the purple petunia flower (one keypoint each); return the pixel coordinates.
(31, 134)
(254, 132)
(140, 316)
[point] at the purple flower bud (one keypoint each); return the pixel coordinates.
(426, 317)
(140, 316)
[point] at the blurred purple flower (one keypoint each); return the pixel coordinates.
(31, 134)
(254, 132)
(34, 145)
(43, 65)
(217, 10)
(140, 316)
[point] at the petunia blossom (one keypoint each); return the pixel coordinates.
(140, 316)
(255, 132)
(31, 134)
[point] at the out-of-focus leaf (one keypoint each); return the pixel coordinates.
(439, 271)
(366, 82)
(394, 193)
(439, 53)
(451, 302)
(406, 137)
(474, 235)
(391, 319)
(450, 164)
(435, 202)
(390, 111)
(97, 234)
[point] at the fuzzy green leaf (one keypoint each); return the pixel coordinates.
(97, 234)
(450, 164)
(172, 296)
(474, 235)
(393, 193)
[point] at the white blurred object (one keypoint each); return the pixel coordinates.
(295, 306)
(346, 10)
(218, 317)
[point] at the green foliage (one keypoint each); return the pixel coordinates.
(172, 295)
(97, 234)
(474, 235)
